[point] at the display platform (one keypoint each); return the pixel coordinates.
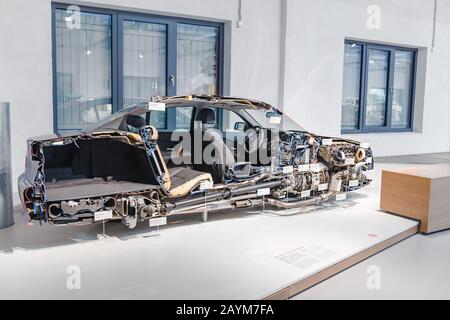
(237, 255)
(418, 192)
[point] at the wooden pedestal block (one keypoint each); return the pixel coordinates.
(421, 193)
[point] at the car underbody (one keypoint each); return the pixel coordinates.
(71, 179)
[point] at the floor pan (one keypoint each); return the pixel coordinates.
(88, 188)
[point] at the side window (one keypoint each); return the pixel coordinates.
(172, 118)
(183, 117)
(158, 119)
(229, 121)
(232, 126)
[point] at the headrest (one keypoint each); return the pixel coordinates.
(207, 116)
(135, 121)
(155, 134)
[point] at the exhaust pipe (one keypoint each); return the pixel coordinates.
(246, 201)
(302, 203)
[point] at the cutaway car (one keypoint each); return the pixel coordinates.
(182, 155)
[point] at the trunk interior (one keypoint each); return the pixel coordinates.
(95, 167)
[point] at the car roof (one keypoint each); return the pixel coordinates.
(209, 100)
(199, 101)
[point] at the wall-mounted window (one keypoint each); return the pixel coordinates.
(378, 88)
(106, 60)
(83, 70)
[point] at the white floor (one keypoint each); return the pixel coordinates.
(417, 268)
(235, 255)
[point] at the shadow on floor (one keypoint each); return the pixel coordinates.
(25, 237)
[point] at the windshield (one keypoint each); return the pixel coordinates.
(274, 119)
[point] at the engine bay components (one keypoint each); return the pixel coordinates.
(296, 148)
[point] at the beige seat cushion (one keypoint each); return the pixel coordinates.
(184, 180)
(179, 181)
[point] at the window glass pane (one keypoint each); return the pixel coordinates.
(83, 69)
(351, 86)
(401, 104)
(197, 59)
(144, 61)
(226, 123)
(378, 61)
(183, 118)
(158, 119)
(228, 120)
(174, 118)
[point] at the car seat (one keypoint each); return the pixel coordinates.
(177, 181)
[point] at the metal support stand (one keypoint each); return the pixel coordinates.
(6, 200)
(264, 204)
(205, 211)
(102, 236)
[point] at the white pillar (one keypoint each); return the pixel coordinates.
(6, 201)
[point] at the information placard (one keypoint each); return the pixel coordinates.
(364, 145)
(206, 185)
(275, 120)
(156, 106)
(103, 215)
(349, 161)
(303, 167)
(353, 183)
(156, 222)
(288, 169)
(305, 194)
(263, 192)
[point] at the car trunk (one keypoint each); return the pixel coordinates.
(95, 167)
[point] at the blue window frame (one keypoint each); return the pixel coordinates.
(378, 88)
(107, 60)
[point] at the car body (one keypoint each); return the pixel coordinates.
(179, 155)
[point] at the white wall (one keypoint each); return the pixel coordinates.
(303, 67)
(26, 72)
(254, 49)
(26, 65)
(314, 66)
